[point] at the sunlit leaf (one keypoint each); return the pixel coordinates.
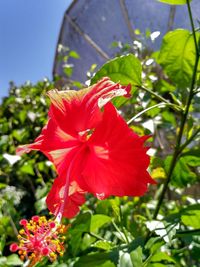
(124, 69)
(115, 206)
(98, 220)
(177, 56)
(105, 245)
(158, 173)
(136, 257)
(174, 2)
(160, 256)
(182, 175)
(191, 216)
(14, 260)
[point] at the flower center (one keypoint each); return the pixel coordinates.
(85, 135)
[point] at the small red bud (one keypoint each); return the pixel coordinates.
(45, 251)
(14, 247)
(52, 224)
(23, 222)
(35, 218)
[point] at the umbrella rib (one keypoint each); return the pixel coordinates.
(127, 19)
(87, 37)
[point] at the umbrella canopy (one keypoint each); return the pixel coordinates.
(91, 26)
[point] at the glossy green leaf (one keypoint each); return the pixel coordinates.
(124, 69)
(182, 175)
(74, 54)
(156, 265)
(105, 245)
(177, 56)
(191, 216)
(192, 157)
(160, 256)
(98, 220)
(136, 257)
(27, 168)
(80, 226)
(115, 207)
(174, 2)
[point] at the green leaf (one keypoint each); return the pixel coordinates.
(125, 260)
(80, 226)
(182, 175)
(191, 216)
(105, 245)
(192, 157)
(14, 260)
(174, 2)
(74, 54)
(177, 56)
(124, 69)
(27, 168)
(96, 259)
(115, 206)
(160, 256)
(136, 257)
(40, 204)
(3, 261)
(68, 70)
(2, 243)
(156, 265)
(98, 220)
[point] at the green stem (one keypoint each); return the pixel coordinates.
(187, 142)
(160, 98)
(160, 105)
(124, 237)
(183, 121)
(122, 226)
(96, 236)
(192, 25)
(188, 232)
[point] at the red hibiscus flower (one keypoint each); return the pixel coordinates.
(92, 148)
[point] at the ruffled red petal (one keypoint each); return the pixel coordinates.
(117, 162)
(77, 111)
(55, 199)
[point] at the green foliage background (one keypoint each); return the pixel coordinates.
(159, 229)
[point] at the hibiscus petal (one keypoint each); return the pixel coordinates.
(55, 199)
(117, 162)
(81, 110)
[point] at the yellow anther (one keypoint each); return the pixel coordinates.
(33, 255)
(21, 231)
(20, 252)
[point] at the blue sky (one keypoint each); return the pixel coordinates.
(29, 32)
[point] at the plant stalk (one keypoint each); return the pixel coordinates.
(178, 149)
